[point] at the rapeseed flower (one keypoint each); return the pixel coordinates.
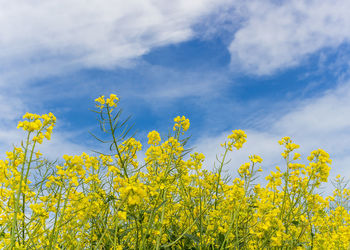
(169, 199)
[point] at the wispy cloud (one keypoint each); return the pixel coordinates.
(319, 122)
(280, 35)
(267, 35)
(43, 38)
(152, 89)
(58, 38)
(14, 103)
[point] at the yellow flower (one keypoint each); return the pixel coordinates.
(153, 138)
(255, 158)
(181, 123)
(296, 156)
(38, 154)
(236, 139)
(122, 215)
(38, 123)
(101, 101)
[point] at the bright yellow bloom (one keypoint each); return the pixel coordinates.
(236, 139)
(255, 158)
(101, 101)
(38, 154)
(153, 138)
(111, 102)
(104, 201)
(181, 123)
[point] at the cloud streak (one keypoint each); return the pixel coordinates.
(58, 36)
(276, 36)
(319, 122)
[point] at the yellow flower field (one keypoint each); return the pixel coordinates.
(166, 200)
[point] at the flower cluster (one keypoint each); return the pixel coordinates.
(236, 139)
(168, 200)
(42, 125)
(153, 138)
(181, 123)
(110, 102)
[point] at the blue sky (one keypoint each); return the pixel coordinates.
(272, 68)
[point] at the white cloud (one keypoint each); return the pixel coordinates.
(42, 38)
(320, 122)
(46, 38)
(280, 35)
(14, 104)
(51, 37)
(10, 106)
(59, 144)
(162, 83)
(261, 143)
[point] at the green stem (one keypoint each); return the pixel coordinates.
(219, 177)
(116, 145)
(23, 194)
(14, 222)
(161, 221)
